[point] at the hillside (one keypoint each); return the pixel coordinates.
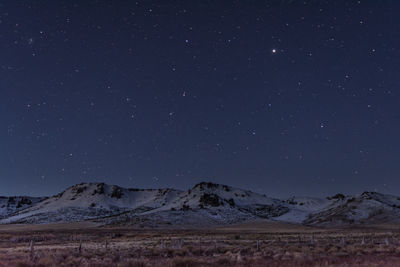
(205, 204)
(90, 200)
(367, 208)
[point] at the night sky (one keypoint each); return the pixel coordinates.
(280, 97)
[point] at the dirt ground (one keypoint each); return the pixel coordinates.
(253, 244)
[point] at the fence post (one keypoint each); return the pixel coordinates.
(32, 249)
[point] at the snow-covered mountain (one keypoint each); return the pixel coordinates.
(367, 208)
(300, 208)
(203, 205)
(91, 200)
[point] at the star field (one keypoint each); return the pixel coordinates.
(280, 97)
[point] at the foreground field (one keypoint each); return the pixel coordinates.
(258, 244)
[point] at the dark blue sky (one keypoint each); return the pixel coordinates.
(281, 97)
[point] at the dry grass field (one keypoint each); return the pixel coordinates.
(256, 244)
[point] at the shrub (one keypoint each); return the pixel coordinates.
(185, 207)
(116, 192)
(210, 200)
(337, 196)
(185, 262)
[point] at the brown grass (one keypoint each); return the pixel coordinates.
(259, 245)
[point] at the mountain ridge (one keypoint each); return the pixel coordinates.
(204, 204)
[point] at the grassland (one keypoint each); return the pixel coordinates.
(256, 244)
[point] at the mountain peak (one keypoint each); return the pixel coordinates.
(211, 186)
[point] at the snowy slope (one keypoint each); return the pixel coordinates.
(205, 204)
(367, 208)
(215, 195)
(301, 207)
(10, 205)
(91, 200)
